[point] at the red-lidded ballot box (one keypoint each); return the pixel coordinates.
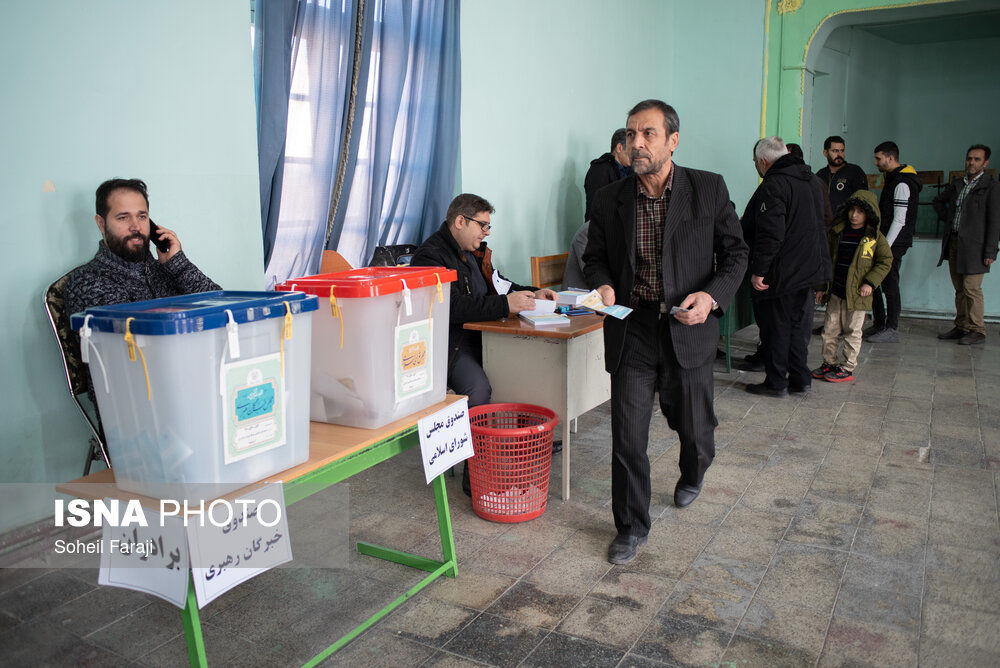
(380, 342)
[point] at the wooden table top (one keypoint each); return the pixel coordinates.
(578, 326)
(327, 444)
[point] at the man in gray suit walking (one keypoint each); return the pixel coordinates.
(664, 237)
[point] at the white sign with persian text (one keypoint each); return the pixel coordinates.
(445, 439)
(255, 541)
(151, 559)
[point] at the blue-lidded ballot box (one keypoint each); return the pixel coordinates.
(209, 390)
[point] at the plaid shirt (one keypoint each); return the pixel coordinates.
(650, 216)
(969, 185)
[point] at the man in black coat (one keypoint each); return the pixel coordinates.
(459, 244)
(898, 208)
(610, 167)
(789, 256)
(841, 178)
(971, 207)
(664, 237)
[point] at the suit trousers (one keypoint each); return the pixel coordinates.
(969, 305)
(784, 322)
(887, 315)
(466, 376)
(648, 365)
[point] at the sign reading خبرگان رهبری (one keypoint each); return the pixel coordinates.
(445, 438)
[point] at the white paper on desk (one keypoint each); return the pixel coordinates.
(542, 307)
(151, 559)
(223, 557)
(445, 439)
(501, 284)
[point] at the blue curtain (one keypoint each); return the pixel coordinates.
(400, 170)
(321, 62)
(274, 21)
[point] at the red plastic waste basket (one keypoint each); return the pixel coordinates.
(510, 472)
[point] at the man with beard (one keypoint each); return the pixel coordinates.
(665, 241)
(124, 270)
(841, 178)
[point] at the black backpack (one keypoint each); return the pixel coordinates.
(393, 256)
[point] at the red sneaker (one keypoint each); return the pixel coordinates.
(838, 375)
(820, 373)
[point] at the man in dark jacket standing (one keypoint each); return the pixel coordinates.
(608, 168)
(459, 244)
(898, 208)
(788, 257)
(971, 207)
(666, 242)
(841, 178)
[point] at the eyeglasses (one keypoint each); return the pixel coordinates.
(486, 226)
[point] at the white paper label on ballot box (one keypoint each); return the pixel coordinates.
(151, 559)
(223, 557)
(445, 438)
(253, 409)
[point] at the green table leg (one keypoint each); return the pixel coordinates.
(192, 630)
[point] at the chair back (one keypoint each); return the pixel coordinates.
(873, 180)
(332, 262)
(931, 178)
(54, 301)
(547, 270)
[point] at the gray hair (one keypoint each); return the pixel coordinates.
(769, 149)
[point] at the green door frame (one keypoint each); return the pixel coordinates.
(789, 29)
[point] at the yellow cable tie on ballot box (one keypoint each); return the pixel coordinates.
(337, 315)
(437, 292)
(132, 347)
(286, 333)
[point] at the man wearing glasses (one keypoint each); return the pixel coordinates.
(480, 293)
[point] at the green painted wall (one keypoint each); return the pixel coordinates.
(544, 84)
(163, 91)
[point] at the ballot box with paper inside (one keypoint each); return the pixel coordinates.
(380, 346)
(201, 394)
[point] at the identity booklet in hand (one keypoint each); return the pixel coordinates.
(593, 301)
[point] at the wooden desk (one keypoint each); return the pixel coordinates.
(561, 368)
(335, 454)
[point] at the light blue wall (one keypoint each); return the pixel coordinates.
(162, 91)
(544, 84)
(934, 100)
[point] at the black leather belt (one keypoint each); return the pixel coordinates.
(649, 305)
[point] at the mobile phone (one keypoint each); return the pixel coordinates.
(678, 309)
(162, 245)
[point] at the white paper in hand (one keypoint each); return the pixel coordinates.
(501, 284)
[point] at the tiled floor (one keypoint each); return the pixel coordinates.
(820, 539)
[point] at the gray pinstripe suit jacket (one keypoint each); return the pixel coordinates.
(703, 249)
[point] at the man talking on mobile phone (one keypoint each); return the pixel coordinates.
(124, 269)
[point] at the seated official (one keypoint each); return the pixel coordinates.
(124, 270)
(459, 245)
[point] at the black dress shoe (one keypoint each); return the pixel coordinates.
(747, 365)
(952, 334)
(763, 390)
(971, 338)
(624, 548)
(684, 494)
(817, 330)
(556, 446)
(798, 389)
